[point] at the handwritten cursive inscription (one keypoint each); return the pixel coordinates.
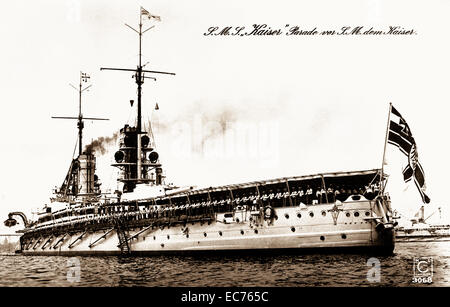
(294, 30)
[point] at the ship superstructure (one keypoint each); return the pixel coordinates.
(329, 211)
(422, 231)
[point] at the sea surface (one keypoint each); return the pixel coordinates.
(222, 271)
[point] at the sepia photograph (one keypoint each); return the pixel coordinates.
(248, 145)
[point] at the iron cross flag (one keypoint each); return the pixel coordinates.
(400, 135)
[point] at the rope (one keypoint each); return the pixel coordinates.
(74, 150)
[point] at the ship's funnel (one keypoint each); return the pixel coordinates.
(87, 172)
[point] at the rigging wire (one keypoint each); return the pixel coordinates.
(74, 150)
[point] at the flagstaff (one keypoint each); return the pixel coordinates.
(399, 134)
(384, 150)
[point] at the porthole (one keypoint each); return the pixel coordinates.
(324, 213)
(256, 231)
(293, 229)
(205, 234)
(237, 220)
(168, 237)
(311, 214)
(299, 215)
(220, 233)
(356, 214)
(344, 236)
(322, 238)
(187, 235)
(347, 214)
(162, 244)
(286, 216)
(154, 238)
(367, 213)
(242, 232)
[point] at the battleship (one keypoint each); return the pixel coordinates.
(337, 212)
(422, 231)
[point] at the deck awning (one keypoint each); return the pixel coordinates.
(335, 179)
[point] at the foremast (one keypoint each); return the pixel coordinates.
(132, 158)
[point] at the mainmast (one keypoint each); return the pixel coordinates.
(139, 77)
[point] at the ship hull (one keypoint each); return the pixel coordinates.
(363, 250)
(325, 228)
(429, 234)
(401, 239)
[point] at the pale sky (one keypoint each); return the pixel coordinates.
(295, 105)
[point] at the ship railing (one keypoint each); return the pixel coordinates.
(132, 219)
(159, 215)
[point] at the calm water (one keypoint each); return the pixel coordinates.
(307, 270)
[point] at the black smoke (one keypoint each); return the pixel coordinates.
(100, 144)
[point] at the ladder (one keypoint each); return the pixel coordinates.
(123, 240)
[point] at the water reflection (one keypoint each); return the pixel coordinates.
(223, 271)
